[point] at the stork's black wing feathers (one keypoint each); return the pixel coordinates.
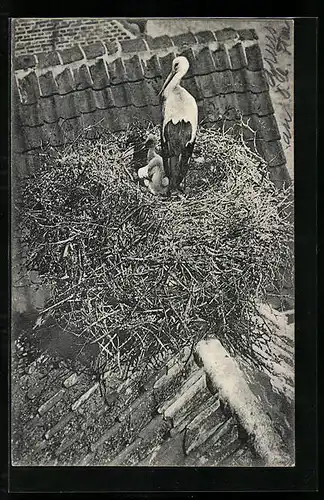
(175, 151)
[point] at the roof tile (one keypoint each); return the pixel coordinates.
(152, 68)
(117, 71)
(205, 37)
(160, 42)
(193, 86)
(48, 59)
(134, 70)
(47, 84)
(272, 152)
(94, 50)
(32, 137)
(51, 402)
(267, 127)
(112, 47)
(166, 64)
(66, 106)
(226, 34)
(207, 86)
(70, 55)
(280, 176)
(221, 58)
(101, 99)
(219, 446)
(64, 80)
(248, 34)
(122, 96)
(259, 104)
(184, 40)
(82, 77)
(133, 45)
(25, 62)
(204, 425)
(30, 115)
(204, 62)
(244, 80)
(152, 89)
(254, 57)
(28, 87)
(52, 134)
(237, 56)
(48, 109)
(222, 82)
(99, 75)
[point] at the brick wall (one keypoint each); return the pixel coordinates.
(32, 36)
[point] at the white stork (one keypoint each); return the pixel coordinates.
(179, 125)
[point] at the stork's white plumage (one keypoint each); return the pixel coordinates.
(179, 125)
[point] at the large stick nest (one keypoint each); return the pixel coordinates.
(139, 275)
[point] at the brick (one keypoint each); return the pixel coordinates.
(28, 87)
(221, 59)
(99, 75)
(205, 37)
(117, 71)
(237, 58)
(47, 84)
(204, 62)
(184, 40)
(226, 34)
(94, 50)
(133, 45)
(25, 62)
(254, 57)
(134, 70)
(152, 68)
(48, 59)
(71, 55)
(64, 80)
(82, 77)
(248, 34)
(160, 42)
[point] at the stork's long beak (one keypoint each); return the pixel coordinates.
(167, 81)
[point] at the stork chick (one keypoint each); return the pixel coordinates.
(153, 173)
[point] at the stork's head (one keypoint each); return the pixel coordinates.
(180, 66)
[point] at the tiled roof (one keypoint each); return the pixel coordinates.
(116, 83)
(154, 420)
(170, 415)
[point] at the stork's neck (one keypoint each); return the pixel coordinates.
(174, 82)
